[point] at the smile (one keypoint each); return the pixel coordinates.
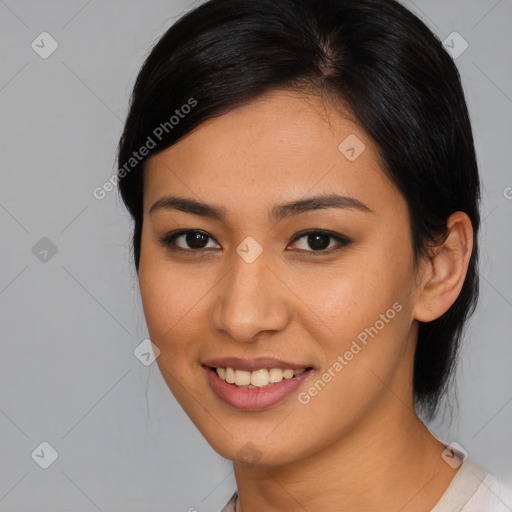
(257, 389)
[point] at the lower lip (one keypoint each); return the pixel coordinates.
(253, 399)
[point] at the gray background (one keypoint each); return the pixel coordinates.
(71, 320)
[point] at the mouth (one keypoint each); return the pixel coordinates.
(256, 384)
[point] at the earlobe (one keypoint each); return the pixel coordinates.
(446, 270)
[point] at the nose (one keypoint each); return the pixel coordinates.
(250, 301)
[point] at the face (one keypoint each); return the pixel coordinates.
(273, 241)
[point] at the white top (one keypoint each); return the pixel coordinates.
(471, 490)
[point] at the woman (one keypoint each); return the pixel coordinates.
(305, 196)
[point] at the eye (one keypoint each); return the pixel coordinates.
(320, 241)
(191, 240)
(313, 241)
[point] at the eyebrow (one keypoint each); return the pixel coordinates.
(277, 213)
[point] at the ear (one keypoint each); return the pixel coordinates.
(442, 276)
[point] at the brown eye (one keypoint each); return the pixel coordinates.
(191, 240)
(320, 241)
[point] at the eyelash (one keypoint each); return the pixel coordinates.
(168, 241)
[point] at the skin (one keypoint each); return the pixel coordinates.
(358, 444)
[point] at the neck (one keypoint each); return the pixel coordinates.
(388, 461)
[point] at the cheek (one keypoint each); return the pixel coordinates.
(173, 311)
(360, 316)
(168, 297)
(174, 315)
(172, 293)
(345, 300)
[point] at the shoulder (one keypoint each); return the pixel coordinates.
(473, 490)
(490, 496)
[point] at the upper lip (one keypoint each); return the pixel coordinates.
(249, 365)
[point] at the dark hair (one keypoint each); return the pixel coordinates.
(373, 56)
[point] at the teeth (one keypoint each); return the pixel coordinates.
(230, 375)
(276, 375)
(242, 378)
(287, 374)
(257, 378)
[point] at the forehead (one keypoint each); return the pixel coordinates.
(283, 145)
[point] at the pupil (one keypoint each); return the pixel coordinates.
(196, 240)
(318, 241)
